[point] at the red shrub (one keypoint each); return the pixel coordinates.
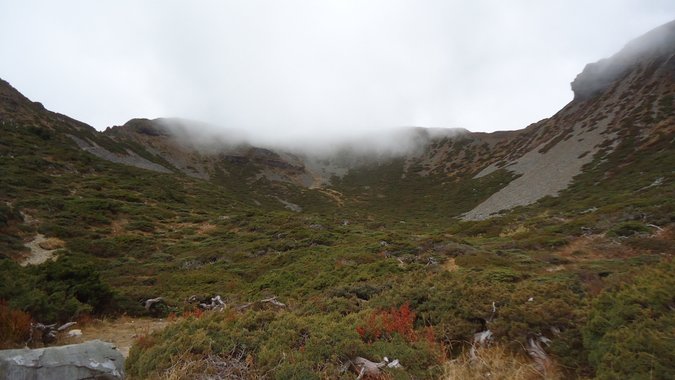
(197, 313)
(14, 326)
(84, 319)
(384, 324)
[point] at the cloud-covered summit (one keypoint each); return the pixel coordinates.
(296, 71)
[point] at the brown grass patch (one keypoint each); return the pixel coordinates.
(594, 247)
(450, 265)
(117, 227)
(495, 363)
(205, 228)
(52, 243)
(122, 332)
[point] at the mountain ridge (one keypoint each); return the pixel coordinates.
(543, 151)
(627, 96)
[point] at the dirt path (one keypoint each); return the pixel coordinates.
(122, 332)
(38, 255)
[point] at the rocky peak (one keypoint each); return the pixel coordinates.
(658, 45)
(141, 126)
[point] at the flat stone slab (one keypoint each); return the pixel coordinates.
(94, 359)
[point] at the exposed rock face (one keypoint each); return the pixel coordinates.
(599, 76)
(544, 173)
(90, 360)
(628, 93)
(130, 158)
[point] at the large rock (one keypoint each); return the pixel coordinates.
(90, 360)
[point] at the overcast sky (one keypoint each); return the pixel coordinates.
(285, 69)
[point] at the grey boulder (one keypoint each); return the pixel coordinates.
(90, 360)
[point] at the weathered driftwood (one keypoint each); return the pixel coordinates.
(655, 226)
(66, 326)
(393, 364)
(480, 339)
(48, 333)
(365, 367)
(536, 351)
(271, 300)
(217, 303)
(535, 342)
(483, 337)
(149, 302)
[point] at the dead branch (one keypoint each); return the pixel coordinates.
(654, 226)
(48, 332)
(149, 302)
(480, 339)
(66, 325)
(494, 311)
(244, 306)
(537, 352)
(217, 303)
(271, 300)
(484, 337)
(366, 367)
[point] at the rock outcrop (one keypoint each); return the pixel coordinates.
(599, 76)
(90, 360)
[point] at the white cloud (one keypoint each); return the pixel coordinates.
(302, 69)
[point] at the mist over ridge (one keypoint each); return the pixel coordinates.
(390, 142)
(286, 72)
(394, 141)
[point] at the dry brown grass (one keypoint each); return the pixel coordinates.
(205, 228)
(495, 363)
(450, 265)
(123, 332)
(118, 226)
(212, 367)
(52, 244)
(596, 247)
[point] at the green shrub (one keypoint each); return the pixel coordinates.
(57, 290)
(628, 229)
(629, 329)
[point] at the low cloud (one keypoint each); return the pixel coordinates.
(303, 73)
